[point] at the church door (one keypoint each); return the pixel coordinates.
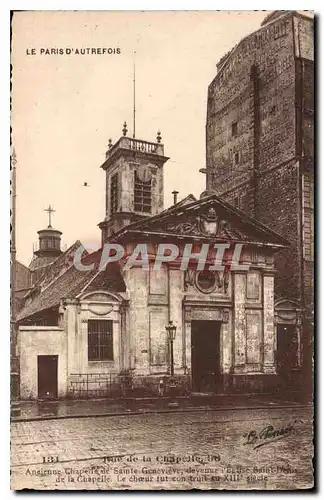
(205, 356)
(47, 377)
(286, 354)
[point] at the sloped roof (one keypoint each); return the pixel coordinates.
(72, 282)
(275, 14)
(66, 286)
(18, 263)
(41, 262)
(269, 18)
(185, 201)
(22, 277)
(56, 266)
(258, 232)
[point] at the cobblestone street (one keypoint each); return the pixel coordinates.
(204, 449)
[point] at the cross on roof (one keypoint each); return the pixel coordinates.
(50, 210)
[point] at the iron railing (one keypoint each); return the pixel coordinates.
(91, 385)
(94, 385)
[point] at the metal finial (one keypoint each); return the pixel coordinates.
(158, 137)
(125, 129)
(110, 144)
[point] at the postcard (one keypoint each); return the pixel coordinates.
(162, 250)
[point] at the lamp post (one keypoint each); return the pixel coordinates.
(171, 332)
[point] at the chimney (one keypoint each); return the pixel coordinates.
(175, 196)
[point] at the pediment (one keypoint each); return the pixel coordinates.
(100, 303)
(209, 218)
(101, 297)
(207, 224)
(286, 305)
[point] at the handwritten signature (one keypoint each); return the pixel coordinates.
(267, 435)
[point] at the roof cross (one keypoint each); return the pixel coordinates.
(50, 210)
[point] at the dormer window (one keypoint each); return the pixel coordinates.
(142, 195)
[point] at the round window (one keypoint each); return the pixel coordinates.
(206, 281)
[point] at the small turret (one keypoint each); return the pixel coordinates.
(49, 248)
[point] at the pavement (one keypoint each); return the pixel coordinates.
(43, 410)
(237, 449)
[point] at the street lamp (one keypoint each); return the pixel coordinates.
(171, 332)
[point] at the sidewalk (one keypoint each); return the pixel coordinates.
(42, 410)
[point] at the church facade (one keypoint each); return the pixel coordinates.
(88, 330)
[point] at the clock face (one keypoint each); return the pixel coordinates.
(144, 173)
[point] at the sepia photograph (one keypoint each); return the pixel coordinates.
(162, 250)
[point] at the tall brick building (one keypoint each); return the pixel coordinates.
(259, 147)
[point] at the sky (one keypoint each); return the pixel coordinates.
(66, 107)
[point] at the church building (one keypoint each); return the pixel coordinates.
(89, 331)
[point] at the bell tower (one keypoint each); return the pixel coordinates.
(134, 181)
(49, 248)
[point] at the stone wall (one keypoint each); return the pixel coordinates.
(36, 341)
(254, 333)
(278, 208)
(245, 310)
(125, 169)
(254, 89)
(124, 164)
(307, 168)
(260, 133)
(81, 370)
